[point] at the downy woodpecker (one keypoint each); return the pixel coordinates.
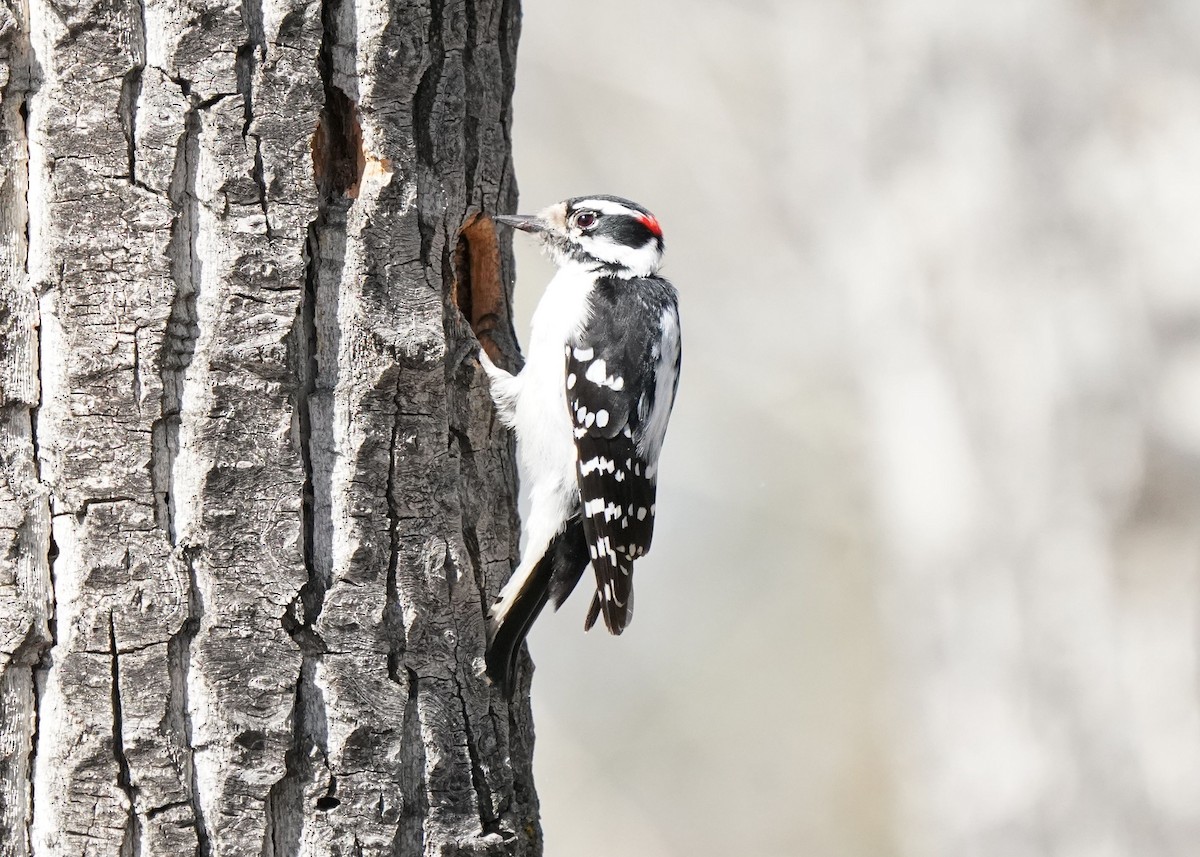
(590, 411)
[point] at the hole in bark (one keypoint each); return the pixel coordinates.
(252, 739)
(337, 147)
(327, 803)
(478, 292)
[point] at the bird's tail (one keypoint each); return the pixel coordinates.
(613, 598)
(554, 576)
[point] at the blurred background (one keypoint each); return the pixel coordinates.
(926, 578)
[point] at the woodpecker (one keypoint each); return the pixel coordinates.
(590, 411)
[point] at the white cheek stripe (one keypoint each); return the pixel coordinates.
(634, 261)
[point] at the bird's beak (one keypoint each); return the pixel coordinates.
(524, 222)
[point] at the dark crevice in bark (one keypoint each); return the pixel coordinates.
(249, 56)
(205, 103)
(179, 340)
(131, 845)
(469, 485)
(338, 157)
(488, 822)
(131, 89)
(285, 801)
(393, 618)
(315, 355)
(510, 26)
(89, 502)
(507, 67)
(313, 344)
(337, 149)
(156, 811)
(137, 373)
(426, 96)
(259, 176)
(252, 20)
(178, 714)
(410, 831)
(498, 721)
(300, 620)
(329, 800)
(424, 120)
(470, 127)
(23, 112)
(185, 85)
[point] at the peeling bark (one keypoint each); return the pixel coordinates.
(254, 497)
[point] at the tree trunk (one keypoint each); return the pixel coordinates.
(254, 500)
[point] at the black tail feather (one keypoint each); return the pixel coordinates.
(617, 608)
(505, 647)
(570, 560)
(593, 611)
(555, 575)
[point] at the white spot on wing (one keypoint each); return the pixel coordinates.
(595, 372)
(601, 418)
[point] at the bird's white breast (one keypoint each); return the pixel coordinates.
(544, 428)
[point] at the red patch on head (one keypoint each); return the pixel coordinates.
(651, 223)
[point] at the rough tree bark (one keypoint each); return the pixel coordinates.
(253, 497)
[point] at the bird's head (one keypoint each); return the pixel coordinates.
(608, 233)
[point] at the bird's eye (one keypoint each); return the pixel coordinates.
(585, 220)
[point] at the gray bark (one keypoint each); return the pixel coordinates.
(254, 499)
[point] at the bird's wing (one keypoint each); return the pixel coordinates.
(621, 374)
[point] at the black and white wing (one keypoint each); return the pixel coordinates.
(621, 375)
